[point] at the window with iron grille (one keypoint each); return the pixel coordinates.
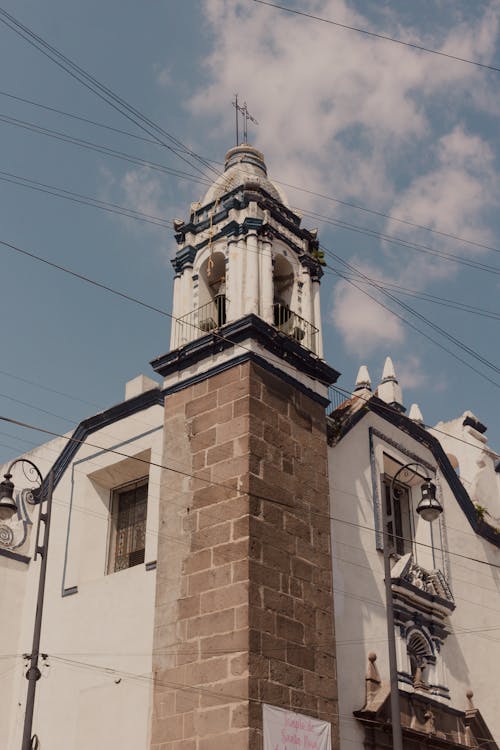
(128, 526)
(398, 517)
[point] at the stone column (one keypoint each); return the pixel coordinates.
(317, 317)
(233, 280)
(266, 280)
(252, 274)
(175, 333)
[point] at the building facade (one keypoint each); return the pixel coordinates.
(194, 600)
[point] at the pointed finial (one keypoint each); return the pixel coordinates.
(363, 379)
(415, 414)
(389, 374)
(389, 389)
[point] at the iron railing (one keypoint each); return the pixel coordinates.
(336, 399)
(288, 322)
(203, 320)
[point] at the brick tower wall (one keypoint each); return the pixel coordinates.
(244, 602)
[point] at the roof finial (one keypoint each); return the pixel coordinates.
(389, 389)
(415, 414)
(363, 380)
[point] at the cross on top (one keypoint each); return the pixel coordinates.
(242, 109)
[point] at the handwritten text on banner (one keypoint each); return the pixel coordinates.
(286, 730)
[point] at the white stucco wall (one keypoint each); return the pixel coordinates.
(468, 653)
(95, 690)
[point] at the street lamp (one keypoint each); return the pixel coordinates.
(7, 509)
(429, 508)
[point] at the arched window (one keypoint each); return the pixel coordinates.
(283, 277)
(212, 295)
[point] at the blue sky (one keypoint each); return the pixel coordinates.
(360, 120)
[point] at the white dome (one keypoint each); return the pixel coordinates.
(243, 164)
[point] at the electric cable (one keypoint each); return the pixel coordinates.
(308, 191)
(376, 35)
(231, 488)
(218, 336)
(102, 91)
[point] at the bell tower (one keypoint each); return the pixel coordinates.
(244, 599)
(244, 252)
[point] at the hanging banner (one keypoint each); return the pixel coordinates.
(286, 730)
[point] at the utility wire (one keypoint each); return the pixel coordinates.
(330, 198)
(376, 35)
(101, 149)
(232, 489)
(409, 323)
(105, 93)
(218, 336)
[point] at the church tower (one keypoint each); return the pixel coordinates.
(244, 600)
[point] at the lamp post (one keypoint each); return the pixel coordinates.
(7, 508)
(429, 508)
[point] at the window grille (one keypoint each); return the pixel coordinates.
(128, 526)
(398, 517)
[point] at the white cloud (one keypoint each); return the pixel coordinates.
(361, 119)
(363, 323)
(410, 372)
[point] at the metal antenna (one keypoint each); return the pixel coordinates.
(247, 116)
(237, 109)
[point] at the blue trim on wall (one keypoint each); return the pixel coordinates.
(248, 327)
(15, 556)
(425, 438)
(70, 509)
(70, 591)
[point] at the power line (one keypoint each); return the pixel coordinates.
(103, 92)
(425, 296)
(409, 323)
(87, 200)
(101, 149)
(385, 37)
(409, 244)
(217, 335)
(308, 191)
(232, 489)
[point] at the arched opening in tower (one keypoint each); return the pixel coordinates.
(283, 278)
(212, 295)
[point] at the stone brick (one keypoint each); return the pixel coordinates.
(211, 536)
(209, 579)
(278, 602)
(237, 640)
(232, 392)
(274, 648)
(212, 720)
(189, 607)
(234, 740)
(300, 656)
(289, 629)
(239, 569)
(286, 674)
(209, 419)
(198, 561)
(203, 439)
(200, 405)
(215, 622)
(229, 596)
(186, 700)
(231, 375)
(212, 668)
(220, 452)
